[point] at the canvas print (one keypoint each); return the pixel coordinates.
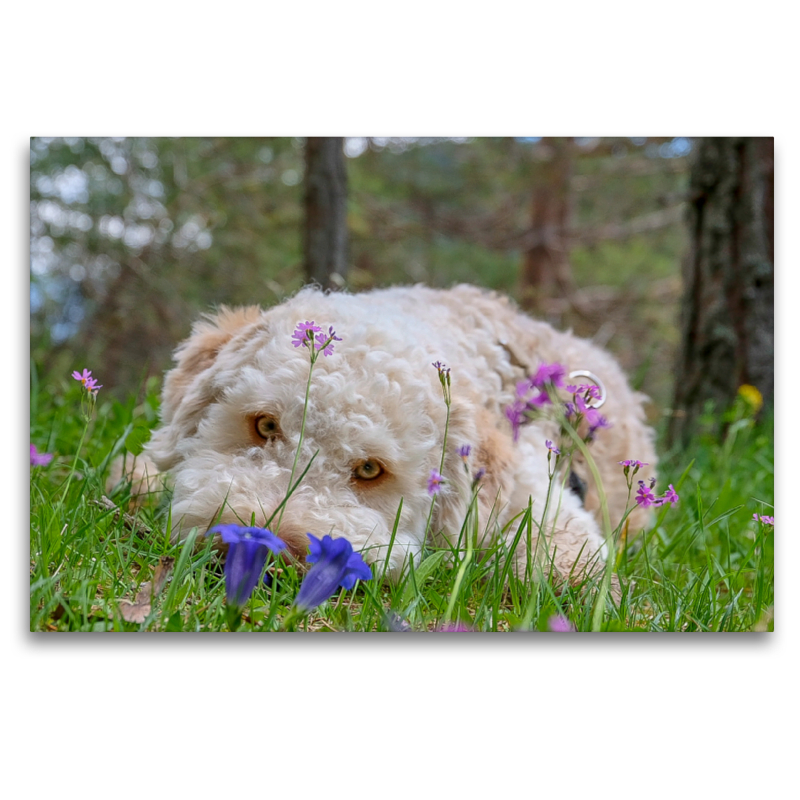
(402, 385)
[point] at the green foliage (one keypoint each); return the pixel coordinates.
(133, 238)
(705, 565)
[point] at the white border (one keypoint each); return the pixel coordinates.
(344, 715)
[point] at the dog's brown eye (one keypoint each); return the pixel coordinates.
(368, 470)
(267, 427)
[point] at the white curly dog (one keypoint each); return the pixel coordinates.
(232, 410)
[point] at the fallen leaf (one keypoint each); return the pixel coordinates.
(138, 610)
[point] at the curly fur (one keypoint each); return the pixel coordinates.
(379, 397)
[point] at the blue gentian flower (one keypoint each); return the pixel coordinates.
(247, 554)
(335, 565)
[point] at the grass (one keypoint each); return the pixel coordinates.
(704, 566)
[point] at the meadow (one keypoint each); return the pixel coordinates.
(705, 565)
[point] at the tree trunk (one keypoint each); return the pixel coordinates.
(727, 313)
(545, 267)
(325, 240)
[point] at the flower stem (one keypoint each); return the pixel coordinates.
(74, 465)
(441, 461)
(233, 616)
(300, 441)
(597, 614)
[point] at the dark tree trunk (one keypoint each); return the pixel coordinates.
(727, 313)
(545, 267)
(325, 239)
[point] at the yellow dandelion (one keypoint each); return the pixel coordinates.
(751, 396)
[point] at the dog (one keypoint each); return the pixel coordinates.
(373, 429)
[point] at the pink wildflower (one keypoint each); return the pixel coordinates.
(586, 389)
(549, 373)
(442, 368)
(39, 459)
(645, 497)
(435, 482)
(670, 496)
(593, 416)
(516, 417)
(325, 342)
(82, 376)
(560, 624)
(301, 333)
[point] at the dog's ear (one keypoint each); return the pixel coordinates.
(185, 392)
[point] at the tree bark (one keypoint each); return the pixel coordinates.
(545, 267)
(325, 236)
(727, 312)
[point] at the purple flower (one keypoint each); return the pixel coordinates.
(464, 451)
(645, 497)
(585, 389)
(532, 394)
(558, 623)
(301, 333)
(523, 388)
(444, 379)
(592, 415)
(549, 373)
(551, 447)
(335, 565)
(325, 342)
(39, 459)
(670, 496)
(89, 383)
(478, 476)
(539, 400)
(530, 401)
(435, 482)
(516, 417)
(632, 462)
(764, 519)
(247, 554)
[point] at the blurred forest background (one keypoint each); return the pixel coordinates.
(132, 238)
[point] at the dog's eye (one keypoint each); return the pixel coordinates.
(266, 426)
(367, 470)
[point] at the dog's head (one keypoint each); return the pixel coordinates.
(234, 407)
